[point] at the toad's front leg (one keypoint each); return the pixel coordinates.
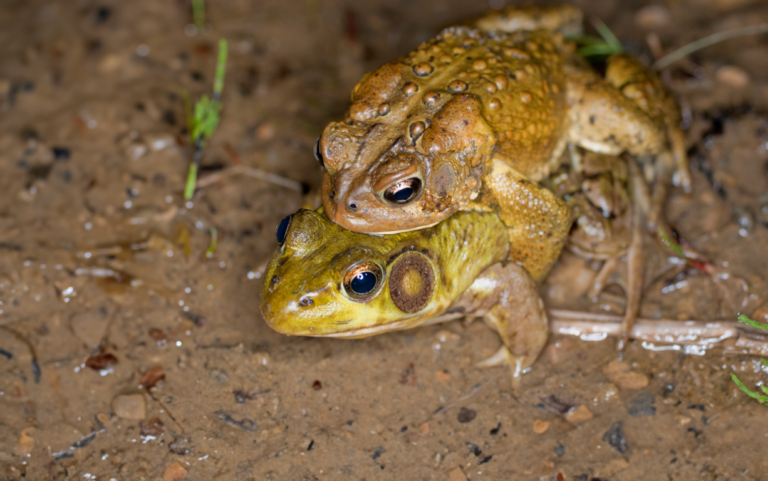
(537, 221)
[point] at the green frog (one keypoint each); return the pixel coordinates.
(326, 281)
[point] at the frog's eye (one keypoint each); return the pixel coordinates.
(318, 154)
(282, 229)
(404, 191)
(363, 280)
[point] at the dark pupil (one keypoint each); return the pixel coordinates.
(282, 229)
(363, 283)
(403, 194)
(318, 154)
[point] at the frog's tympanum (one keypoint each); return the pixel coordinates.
(330, 282)
(474, 118)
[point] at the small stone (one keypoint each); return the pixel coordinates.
(619, 373)
(443, 376)
(652, 16)
(424, 428)
(61, 153)
(26, 442)
(642, 405)
(540, 427)
(101, 361)
(317, 385)
(456, 474)
(732, 76)
(174, 471)
(683, 420)
(159, 142)
(578, 415)
(466, 415)
(130, 406)
(615, 437)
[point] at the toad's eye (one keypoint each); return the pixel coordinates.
(318, 154)
(282, 229)
(404, 191)
(362, 280)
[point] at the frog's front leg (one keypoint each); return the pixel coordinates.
(507, 299)
(537, 220)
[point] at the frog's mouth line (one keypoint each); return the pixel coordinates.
(360, 332)
(398, 325)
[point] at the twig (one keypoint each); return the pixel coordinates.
(250, 172)
(686, 50)
(594, 327)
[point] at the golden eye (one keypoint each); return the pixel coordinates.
(404, 191)
(362, 280)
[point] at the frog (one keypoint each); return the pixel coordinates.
(326, 281)
(477, 117)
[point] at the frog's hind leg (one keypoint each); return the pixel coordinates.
(512, 306)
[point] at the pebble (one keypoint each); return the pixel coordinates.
(466, 415)
(683, 420)
(443, 376)
(540, 427)
(642, 405)
(619, 373)
(174, 471)
(578, 414)
(615, 437)
(732, 76)
(455, 474)
(652, 16)
(26, 442)
(130, 406)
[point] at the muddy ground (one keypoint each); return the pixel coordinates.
(104, 280)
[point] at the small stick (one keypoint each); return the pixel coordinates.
(250, 172)
(718, 37)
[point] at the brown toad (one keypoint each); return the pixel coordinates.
(474, 118)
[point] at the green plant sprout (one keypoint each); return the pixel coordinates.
(212, 247)
(204, 120)
(598, 47)
(198, 14)
(761, 398)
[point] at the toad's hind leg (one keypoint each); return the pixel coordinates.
(537, 220)
(508, 300)
(629, 110)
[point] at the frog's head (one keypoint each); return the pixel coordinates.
(327, 281)
(411, 152)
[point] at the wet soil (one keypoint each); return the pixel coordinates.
(126, 353)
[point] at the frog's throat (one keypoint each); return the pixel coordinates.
(427, 226)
